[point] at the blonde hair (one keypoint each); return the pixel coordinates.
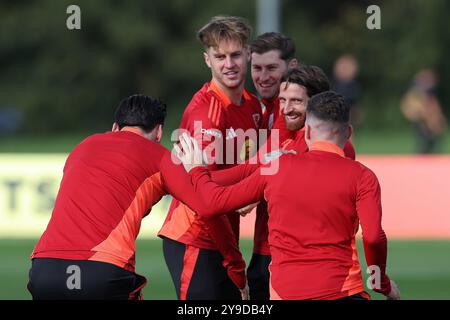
(227, 28)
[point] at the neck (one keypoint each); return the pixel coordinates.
(152, 135)
(136, 130)
(325, 131)
(329, 139)
(234, 94)
(270, 101)
(328, 146)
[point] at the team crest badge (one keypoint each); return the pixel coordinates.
(257, 119)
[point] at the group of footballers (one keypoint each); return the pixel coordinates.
(307, 211)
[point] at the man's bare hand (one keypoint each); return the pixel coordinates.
(247, 209)
(190, 154)
(395, 292)
(245, 295)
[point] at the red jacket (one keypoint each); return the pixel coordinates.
(210, 116)
(315, 202)
(293, 141)
(110, 182)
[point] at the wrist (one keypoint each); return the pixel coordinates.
(195, 168)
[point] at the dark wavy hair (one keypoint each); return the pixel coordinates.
(141, 111)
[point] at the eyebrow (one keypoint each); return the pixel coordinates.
(218, 54)
(267, 66)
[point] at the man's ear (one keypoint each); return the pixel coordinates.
(159, 132)
(115, 127)
(307, 133)
(248, 53)
(155, 135)
(293, 63)
(350, 131)
(206, 57)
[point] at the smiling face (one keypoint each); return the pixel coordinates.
(267, 70)
(228, 63)
(293, 101)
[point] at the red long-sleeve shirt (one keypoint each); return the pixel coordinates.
(212, 117)
(110, 182)
(179, 184)
(294, 141)
(315, 202)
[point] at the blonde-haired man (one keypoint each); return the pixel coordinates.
(202, 255)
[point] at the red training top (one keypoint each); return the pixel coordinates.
(315, 202)
(110, 182)
(294, 141)
(215, 121)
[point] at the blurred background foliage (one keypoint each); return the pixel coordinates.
(62, 81)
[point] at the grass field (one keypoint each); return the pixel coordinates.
(420, 268)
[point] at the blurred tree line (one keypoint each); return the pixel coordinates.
(66, 81)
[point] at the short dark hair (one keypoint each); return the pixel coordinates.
(311, 77)
(141, 111)
(329, 106)
(274, 41)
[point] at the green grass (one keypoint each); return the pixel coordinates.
(420, 268)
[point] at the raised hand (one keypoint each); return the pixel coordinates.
(190, 154)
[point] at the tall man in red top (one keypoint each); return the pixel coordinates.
(200, 254)
(316, 202)
(110, 182)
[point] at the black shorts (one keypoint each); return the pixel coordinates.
(259, 277)
(359, 296)
(198, 274)
(60, 279)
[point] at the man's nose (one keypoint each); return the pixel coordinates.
(264, 75)
(287, 107)
(229, 62)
